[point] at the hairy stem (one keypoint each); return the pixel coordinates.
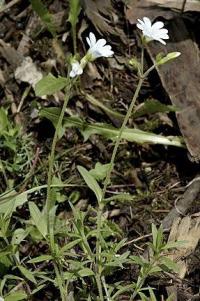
(107, 180)
(99, 286)
(49, 201)
(52, 157)
(60, 282)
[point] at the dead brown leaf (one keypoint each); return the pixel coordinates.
(103, 16)
(191, 5)
(137, 9)
(28, 72)
(99, 12)
(187, 230)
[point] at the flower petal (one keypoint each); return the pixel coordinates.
(140, 26)
(161, 41)
(88, 41)
(157, 25)
(147, 21)
(100, 43)
(92, 39)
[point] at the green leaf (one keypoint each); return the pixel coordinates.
(50, 84)
(38, 219)
(9, 205)
(138, 260)
(91, 182)
(155, 270)
(121, 197)
(70, 245)
(37, 289)
(6, 251)
(152, 106)
(110, 132)
(85, 272)
(16, 296)
(143, 297)
(160, 238)
(123, 289)
(100, 171)
(45, 16)
(3, 120)
(40, 259)
(18, 236)
(174, 245)
(154, 232)
(152, 295)
(160, 59)
(169, 264)
(74, 12)
(28, 274)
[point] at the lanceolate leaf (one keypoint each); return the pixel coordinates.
(91, 182)
(110, 132)
(28, 274)
(16, 296)
(38, 218)
(75, 9)
(44, 14)
(152, 106)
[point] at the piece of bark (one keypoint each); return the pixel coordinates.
(191, 194)
(181, 80)
(137, 9)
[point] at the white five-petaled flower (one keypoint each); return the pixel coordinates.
(76, 69)
(153, 31)
(98, 48)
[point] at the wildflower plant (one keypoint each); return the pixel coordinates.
(102, 257)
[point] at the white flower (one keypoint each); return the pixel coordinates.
(1, 299)
(76, 69)
(98, 48)
(153, 31)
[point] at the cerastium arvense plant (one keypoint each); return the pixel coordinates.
(99, 256)
(99, 241)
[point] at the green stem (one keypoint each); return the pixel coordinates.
(105, 288)
(128, 114)
(49, 201)
(49, 204)
(142, 59)
(74, 38)
(60, 282)
(107, 180)
(99, 286)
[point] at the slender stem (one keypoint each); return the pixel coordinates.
(74, 38)
(99, 286)
(49, 201)
(105, 288)
(107, 180)
(149, 70)
(142, 59)
(52, 156)
(60, 282)
(128, 114)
